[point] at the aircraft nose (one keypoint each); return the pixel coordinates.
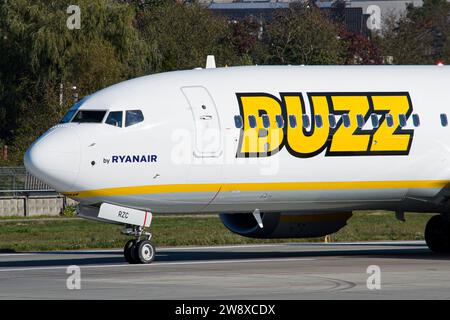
(55, 158)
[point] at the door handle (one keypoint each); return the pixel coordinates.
(205, 117)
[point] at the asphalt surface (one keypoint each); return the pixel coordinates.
(408, 270)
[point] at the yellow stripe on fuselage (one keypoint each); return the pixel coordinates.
(264, 186)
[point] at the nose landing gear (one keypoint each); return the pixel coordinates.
(137, 250)
(437, 234)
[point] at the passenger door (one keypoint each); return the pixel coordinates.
(208, 136)
(205, 171)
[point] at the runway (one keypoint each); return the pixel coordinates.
(280, 271)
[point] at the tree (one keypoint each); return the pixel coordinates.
(40, 53)
(245, 38)
(181, 36)
(360, 50)
(421, 36)
(303, 35)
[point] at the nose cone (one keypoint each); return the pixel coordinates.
(55, 158)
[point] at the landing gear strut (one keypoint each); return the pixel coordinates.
(137, 250)
(437, 234)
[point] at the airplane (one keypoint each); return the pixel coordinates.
(276, 151)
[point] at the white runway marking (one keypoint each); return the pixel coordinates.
(20, 254)
(160, 264)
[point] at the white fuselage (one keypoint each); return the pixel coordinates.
(188, 155)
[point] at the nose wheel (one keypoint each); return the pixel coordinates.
(137, 251)
(144, 251)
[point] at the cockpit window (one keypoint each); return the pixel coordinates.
(115, 118)
(89, 116)
(133, 117)
(69, 115)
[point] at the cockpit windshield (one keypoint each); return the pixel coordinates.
(124, 118)
(115, 118)
(132, 117)
(89, 116)
(69, 115)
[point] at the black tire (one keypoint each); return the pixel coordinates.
(144, 252)
(437, 234)
(128, 251)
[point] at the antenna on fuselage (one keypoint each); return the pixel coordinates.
(210, 62)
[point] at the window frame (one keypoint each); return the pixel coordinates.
(74, 108)
(69, 119)
(318, 121)
(332, 123)
(375, 121)
(92, 110)
(360, 121)
(279, 120)
(241, 121)
(389, 120)
(416, 120)
(265, 121)
(444, 120)
(345, 118)
(252, 118)
(293, 121)
(123, 118)
(306, 121)
(402, 120)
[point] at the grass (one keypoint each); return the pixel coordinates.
(43, 217)
(60, 234)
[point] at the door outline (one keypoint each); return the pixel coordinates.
(200, 114)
